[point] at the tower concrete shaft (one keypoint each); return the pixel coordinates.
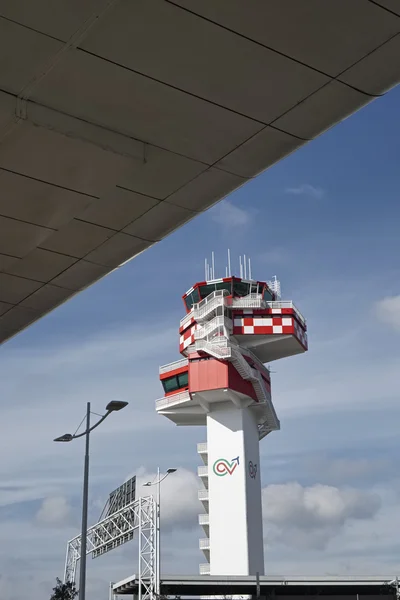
(235, 513)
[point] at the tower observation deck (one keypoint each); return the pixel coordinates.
(231, 328)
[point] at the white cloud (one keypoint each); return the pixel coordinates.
(388, 311)
(179, 498)
(54, 511)
(228, 215)
(310, 516)
(306, 189)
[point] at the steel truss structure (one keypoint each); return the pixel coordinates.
(115, 530)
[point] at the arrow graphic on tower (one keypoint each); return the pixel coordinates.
(223, 467)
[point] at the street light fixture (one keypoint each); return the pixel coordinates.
(158, 533)
(112, 406)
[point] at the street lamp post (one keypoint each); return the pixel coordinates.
(112, 406)
(158, 519)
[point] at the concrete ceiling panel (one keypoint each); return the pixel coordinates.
(329, 36)
(159, 221)
(267, 146)
(117, 209)
(217, 64)
(392, 5)
(61, 160)
(24, 54)
(7, 109)
(6, 262)
(58, 18)
(15, 319)
(117, 250)
(37, 202)
(206, 189)
(328, 106)
(40, 265)
(77, 238)
(46, 298)
(18, 238)
(80, 275)
(162, 173)
(4, 307)
(143, 108)
(384, 63)
(14, 289)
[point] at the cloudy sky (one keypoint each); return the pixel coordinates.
(326, 221)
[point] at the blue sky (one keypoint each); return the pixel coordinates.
(325, 221)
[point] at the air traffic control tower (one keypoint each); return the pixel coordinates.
(231, 328)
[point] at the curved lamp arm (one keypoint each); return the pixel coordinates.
(74, 437)
(112, 406)
(151, 483)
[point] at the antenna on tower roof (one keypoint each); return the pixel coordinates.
(249, 268)
(244, 266)
(240, 267)
(229, 263)
(275, 286)
(213, 265)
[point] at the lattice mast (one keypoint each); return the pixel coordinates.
(232, 327)
(138, 517)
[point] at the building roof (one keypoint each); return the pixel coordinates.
(121, 121)
(187, 585)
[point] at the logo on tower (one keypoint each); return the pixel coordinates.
(224, 467)
(252, 469)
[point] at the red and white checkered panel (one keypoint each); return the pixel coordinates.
(269, 325)
(186, 339)
(187, 324)
(263, 325)
(258, 312)
(300, 334)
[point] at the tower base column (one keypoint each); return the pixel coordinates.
(236, 528)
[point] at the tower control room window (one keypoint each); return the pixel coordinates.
(206, 290)
(176, 382)
(192, 298)
(240, 289)
(267, 295)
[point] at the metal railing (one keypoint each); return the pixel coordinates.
(204, 543)
(177, 364)
(287, 304)
(203, 495)
(204, 519)
(217, 322)
(186, 319)
(204, 569)
(249, 301)
(171, 400)
(204, 307)
(202, 471)
(218, 350)
(202, 447)
(263, 429)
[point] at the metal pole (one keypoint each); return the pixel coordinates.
(82, 570)
(158, 535)
(140, 550)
